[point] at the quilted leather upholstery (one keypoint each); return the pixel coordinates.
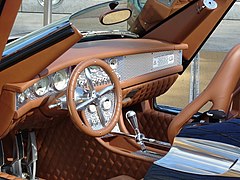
(148, 90)
(153, 124)
(66, 153)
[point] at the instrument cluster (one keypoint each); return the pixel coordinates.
(54, 83)
(58, 81)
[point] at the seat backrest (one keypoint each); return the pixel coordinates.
(219, 91)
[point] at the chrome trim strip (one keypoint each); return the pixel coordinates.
(202, 157)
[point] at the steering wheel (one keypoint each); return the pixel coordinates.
(94, 97)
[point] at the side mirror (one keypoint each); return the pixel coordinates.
(115, 16)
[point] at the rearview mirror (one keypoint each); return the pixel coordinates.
(115, 16)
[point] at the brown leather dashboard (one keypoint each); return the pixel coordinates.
(110, 48)
(88, 50)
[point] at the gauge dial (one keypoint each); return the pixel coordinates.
(27, 93)
(60, 80)
(113, 63)
(41, 87)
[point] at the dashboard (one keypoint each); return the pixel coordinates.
(145, 68)
(125, 67)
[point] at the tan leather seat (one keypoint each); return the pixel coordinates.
(219, 92)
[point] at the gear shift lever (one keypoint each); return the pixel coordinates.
(132, 119)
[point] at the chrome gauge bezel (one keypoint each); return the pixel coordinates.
(41, 87)
(63, 75)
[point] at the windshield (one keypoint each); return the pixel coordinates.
(145, 15)
(88, 19)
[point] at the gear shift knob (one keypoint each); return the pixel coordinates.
(132, 119)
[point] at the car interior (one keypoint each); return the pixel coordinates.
(85, 109)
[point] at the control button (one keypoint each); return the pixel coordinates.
(106, 105)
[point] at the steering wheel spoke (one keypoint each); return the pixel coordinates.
(83, 105)
(106, 90)
(89, 79)
(101, 116)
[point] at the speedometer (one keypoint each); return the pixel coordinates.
(41, 87)
(60, 80)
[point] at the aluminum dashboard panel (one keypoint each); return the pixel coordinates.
(131, 66)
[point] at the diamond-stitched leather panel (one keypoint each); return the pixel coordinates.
(148, 90)
(153, 124)
(66, 153)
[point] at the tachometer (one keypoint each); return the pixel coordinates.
(60, 80)
(41, 87)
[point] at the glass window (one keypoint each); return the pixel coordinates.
(182, 92)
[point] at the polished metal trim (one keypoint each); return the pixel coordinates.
(32, 155)
(202, 157)
(2, 156)
(145, 139)
(17, 163)
(132, 66)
